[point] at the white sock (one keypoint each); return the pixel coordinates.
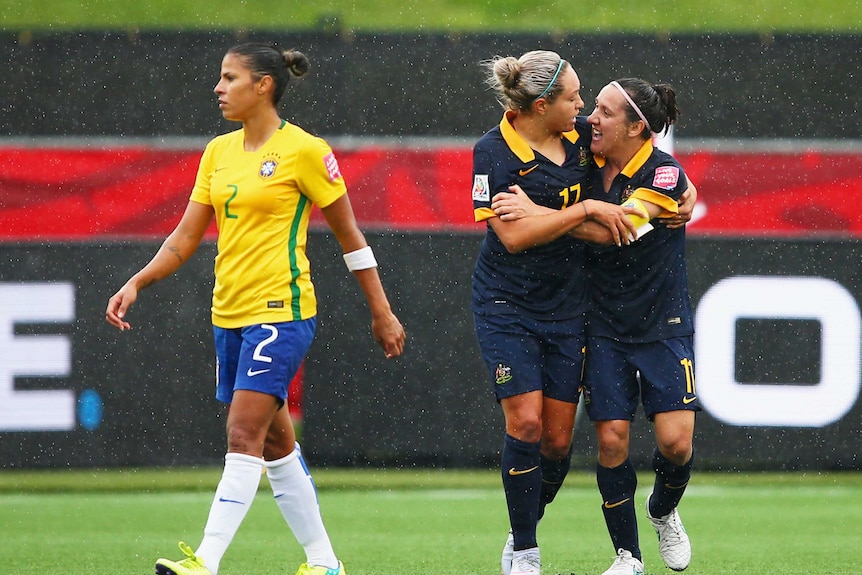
(296, 497)
(233, 498)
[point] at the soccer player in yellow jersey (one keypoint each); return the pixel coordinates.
(260, 183)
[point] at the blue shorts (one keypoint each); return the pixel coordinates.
(262, 357)
(618, 374)
(524, 355)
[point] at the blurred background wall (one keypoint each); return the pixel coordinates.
(377, 84)
(98, 148)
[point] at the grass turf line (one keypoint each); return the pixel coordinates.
(441, 522)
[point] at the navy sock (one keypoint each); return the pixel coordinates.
(553, 474)
(522, 483)
(617, 486)
(670, 483)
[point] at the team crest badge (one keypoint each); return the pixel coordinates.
(503, 374)
(267, 168)
(583, 157)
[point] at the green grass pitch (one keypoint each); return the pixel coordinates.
(452, 16)
(416, 522)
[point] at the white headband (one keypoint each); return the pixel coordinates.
(631, 102)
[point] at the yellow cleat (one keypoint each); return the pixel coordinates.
(191, 565)
(306, 569)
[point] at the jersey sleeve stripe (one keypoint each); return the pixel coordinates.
(666, 203)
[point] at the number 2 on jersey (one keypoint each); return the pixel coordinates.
(258, 356)
(227, 213)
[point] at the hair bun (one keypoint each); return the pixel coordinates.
(296, 62)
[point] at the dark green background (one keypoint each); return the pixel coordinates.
(745, 86)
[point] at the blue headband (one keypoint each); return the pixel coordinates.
(554, 79)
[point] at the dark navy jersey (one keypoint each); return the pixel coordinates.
(547, 281)
(639, 292)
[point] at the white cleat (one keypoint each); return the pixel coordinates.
(625, 564)
(508, 552)
(673, 543)
(526, 562)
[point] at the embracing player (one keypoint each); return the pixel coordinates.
(640, 328)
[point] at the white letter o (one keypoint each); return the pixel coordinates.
(785, 405)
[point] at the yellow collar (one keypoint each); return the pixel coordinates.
(638, 160)
(517, 143)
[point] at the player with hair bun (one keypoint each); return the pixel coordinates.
(640, 335)
(260, 183)
(529, 285)
(639, 323)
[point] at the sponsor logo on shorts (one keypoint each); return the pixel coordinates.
(251, 373)
(503, 374)
(687, 400)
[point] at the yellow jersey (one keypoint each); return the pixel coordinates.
(262, 202)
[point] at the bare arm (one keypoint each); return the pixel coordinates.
(386, 328)
(522, 224)
(177, 248)
(594, 233)
(598, 234)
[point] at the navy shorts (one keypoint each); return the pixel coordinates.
(618, 375)
(262, 357)
(524, 355)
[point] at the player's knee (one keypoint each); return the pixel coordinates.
(677, 450)
(276, 449)
(241, 440)
(613, 446)
(556, 447)
(525, 428)
(611, 433)
(612, 454)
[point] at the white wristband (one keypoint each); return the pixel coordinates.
(360, 259)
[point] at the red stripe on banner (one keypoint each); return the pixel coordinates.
(49, 193)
